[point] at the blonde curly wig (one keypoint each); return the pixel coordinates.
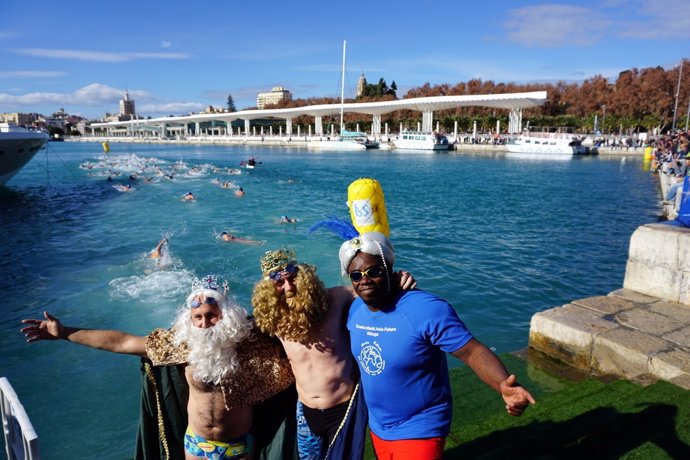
(291, 319)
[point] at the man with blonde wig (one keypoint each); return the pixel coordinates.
(292, 303)
(400, 340)
(229, 366)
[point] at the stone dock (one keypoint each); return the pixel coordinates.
(640, 332)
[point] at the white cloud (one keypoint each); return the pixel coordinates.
(91, 95)
(669, 19)
(104, 97)
(165, 44)
(551, 25)
(97, 56)
(169, 108)
(31, 74)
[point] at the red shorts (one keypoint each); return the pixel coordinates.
(409, 449)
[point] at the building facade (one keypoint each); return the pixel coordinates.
(127, 109)
(277, 94)
(24, 119)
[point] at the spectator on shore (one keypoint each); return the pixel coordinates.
(673, 190)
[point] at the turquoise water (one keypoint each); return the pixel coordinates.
(499, 238)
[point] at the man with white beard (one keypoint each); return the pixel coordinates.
(229, 365)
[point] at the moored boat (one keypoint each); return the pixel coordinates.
(348, 140)
(548, 144)
(415, 140)
(18, 145)
(335, 144)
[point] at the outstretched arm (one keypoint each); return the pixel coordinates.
(51, 328)
(491, 371)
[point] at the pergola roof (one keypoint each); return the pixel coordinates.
(507, 101)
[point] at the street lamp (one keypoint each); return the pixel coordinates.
(603, 122)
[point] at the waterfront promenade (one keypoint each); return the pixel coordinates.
(484, 146)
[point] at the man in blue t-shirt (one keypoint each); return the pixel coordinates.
(399, 340)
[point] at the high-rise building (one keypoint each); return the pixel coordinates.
(127, 111)
(277, 94)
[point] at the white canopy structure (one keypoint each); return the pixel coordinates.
(514, 102)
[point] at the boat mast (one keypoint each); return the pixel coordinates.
(675, 107)
(342, 90)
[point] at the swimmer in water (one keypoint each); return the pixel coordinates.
(157, 252)
(287, 220)
(230, 238)
(239, 192)
(189, 196)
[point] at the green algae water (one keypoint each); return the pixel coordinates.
(499, 238)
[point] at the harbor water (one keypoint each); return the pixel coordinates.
(497, 237)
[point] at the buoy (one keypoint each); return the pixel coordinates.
(106, 147)
(367, 206)
(648, 153)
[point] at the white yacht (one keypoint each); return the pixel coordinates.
(547, 144)
(18, 145)
(414, 140)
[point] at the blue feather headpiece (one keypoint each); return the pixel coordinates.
(342, 228)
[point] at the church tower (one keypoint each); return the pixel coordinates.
(361, 84)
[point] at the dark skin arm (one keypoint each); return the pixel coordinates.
(491, 371)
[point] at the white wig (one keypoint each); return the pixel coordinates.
(373, 243)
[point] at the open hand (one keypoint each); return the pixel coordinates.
(516, 397)
(49, 328)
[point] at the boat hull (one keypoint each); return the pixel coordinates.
(547, 145)
(420, 146)
(336, 145)
(16, 150)
(411, 140)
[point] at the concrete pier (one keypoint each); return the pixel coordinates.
(640, 332)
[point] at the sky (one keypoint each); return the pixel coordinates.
(178, 57)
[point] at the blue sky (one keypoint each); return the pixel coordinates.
(176, 57)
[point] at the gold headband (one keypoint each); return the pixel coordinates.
(273, 260)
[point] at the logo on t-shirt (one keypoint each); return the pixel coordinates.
(371, 359)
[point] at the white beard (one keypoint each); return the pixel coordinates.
(213, 351)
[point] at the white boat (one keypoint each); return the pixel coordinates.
(415, 140)
(18, 145)
(348, 140)
(547, 144)
(335, 144)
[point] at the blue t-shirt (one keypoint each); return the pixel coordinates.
(402, 358)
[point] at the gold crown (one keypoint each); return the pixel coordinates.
(273, 260)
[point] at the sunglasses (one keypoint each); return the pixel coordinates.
(277, 275)
(373, 272)
(196, 303)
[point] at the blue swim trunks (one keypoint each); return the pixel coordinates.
(216, 450)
